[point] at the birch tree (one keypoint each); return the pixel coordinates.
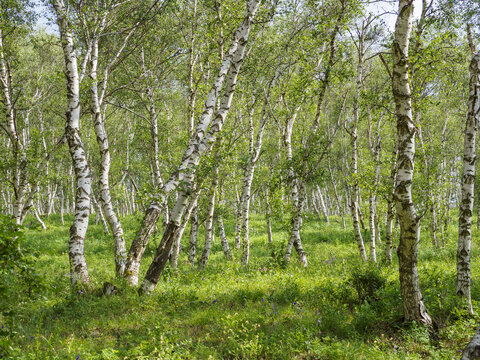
(204, 136)
(468, 182)
(83, 183)
(412, 300)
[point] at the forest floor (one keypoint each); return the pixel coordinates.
(336, 308)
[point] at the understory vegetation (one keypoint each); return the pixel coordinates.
(336, 308)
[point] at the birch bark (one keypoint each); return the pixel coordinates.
(105, 162)
(209, 224)
(412, 300)
(78, 265)
(468, 183)
(199, 144)
(20, 172)
(253, 155)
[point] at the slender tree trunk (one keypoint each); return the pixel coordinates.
(20, 172)
(391, 209)
(193, 235)
(296, 195)
(254, 154)
(354, 200)
(37, 216)
(99, 211)
(209, 224)
(78, 265)
(62, 204)
(103, 176)
(221, 227)
(178, 239)
(268, 214)
(468, 183)
(295, 239)
(354, 207)
(412, 300)
(322, 205)
(223, 238)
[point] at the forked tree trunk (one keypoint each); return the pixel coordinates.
(468, 182)
(83, 184)
(201, 142)
(412, 300)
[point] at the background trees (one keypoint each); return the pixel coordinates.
(171, 114)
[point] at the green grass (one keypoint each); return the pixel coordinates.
(336, 308)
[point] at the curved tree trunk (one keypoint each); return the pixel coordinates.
(120, 252)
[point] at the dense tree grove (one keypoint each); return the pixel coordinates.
(192, 114)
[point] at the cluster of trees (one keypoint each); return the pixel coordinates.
(192, 111)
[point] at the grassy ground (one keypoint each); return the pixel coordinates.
(336, 308)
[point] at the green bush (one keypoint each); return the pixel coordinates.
(15, 266)
(366, 279)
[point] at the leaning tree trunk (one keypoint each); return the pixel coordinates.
(83, 184)
(468, 183)
(201, 142)
(412, 300)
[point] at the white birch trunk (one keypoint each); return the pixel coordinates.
(209, 225)
(20, 172)
(178, 237)
(78, 265)
(105, 162)
(253, 155)
(468, 182)
(193, 235)
(322, 205)
(412, 300)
